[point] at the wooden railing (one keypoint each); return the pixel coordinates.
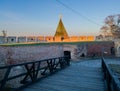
(33, 71)
(112, 81)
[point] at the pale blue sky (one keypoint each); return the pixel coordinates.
(40, 17)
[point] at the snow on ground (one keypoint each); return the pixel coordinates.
(89, 63)
(96, 62)
(113, 61)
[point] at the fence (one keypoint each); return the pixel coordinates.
(112, 81)
(33, 71)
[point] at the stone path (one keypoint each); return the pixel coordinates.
(79, 76)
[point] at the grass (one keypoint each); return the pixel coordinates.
(49, 43)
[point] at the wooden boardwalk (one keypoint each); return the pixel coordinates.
(76, 77)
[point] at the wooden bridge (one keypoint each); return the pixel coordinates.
(79, 76)
(76, 77)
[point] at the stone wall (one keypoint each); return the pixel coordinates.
(71, 48)
(100, 48)
(77, 50)
(20, 39)
(90, 49)
(3, 55)
(2, 40)
(25, 53)
(11, 39)
(18, 54)
(117, 48)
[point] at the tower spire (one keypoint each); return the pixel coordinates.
(61, 31)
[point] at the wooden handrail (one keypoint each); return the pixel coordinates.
(32, 70)
(113, 83)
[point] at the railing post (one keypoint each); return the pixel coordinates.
(32, 70)
(108, 79)
(68, 60)
(33, 73)
(38, 66)
(2, 87)
(49, 63)
(61, 63)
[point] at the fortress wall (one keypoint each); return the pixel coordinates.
(71, 48)
(70, 39)
(89, 49)
(66, 40)
(2, 39)
(22, 39)
(82, 38)
(100, 48)
(74, 38)
(3, 55)
(40, 39)
(90, 38)
(76, 50)
(3, 61)
(58, 39)
(18, 54)
(49, 38)
(11, 39)
(31, 39)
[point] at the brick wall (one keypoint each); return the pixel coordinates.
(18, 54)
(3, 55)
(98, 47)
(89, 49)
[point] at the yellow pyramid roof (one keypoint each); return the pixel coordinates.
(61, 31)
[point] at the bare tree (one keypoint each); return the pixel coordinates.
(112, 25)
